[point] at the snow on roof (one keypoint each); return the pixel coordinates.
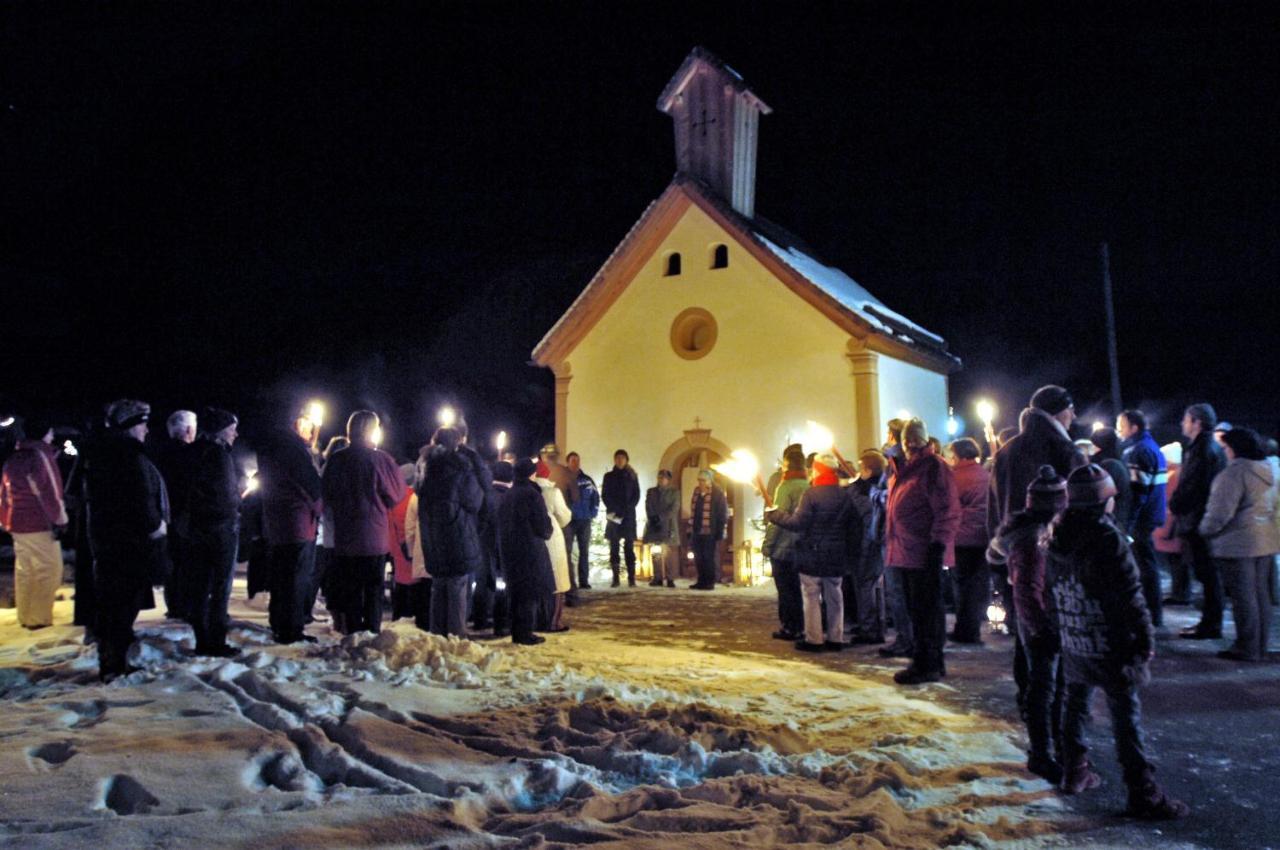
(851, 295)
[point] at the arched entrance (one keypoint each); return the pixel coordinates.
(695, 451)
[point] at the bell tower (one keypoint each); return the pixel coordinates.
(717, 122)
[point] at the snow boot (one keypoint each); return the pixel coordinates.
(1079, 777)
(1045, 767)
(1148, 801)
(915, 676)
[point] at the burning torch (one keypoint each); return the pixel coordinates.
(987, 413)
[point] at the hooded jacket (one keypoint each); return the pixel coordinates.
(1239, 520)
(450, 501)
(1020, 545)
(1042, 441)
(829, 528)
(1096, 600)
(31, 489)
(923, 508)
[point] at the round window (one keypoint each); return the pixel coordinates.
(693, 333)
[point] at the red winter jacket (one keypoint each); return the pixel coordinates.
(402, 565)
(31, 489)
(923, 507)
(972, 483)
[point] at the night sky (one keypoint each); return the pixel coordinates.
(246, 204)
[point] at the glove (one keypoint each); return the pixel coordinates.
(933, 557)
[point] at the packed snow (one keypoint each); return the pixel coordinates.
(653, 723)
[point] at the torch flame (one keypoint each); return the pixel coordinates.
(447, 417)
(500, 441)
(376, 436)
(741, 466)
(817, 437)
(315, 413)
(986, 411)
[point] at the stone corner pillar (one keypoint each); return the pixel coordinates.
(864, 365)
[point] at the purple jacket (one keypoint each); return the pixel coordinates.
(923, 508)
(291, 503)
(360, 486)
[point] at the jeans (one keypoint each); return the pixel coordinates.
(922, 591)
(357, 589)
(212, 557)
(819, 592)
(1196, 548)
(1144, 552)
(1044, 694)
(893, 584)
(973, 592)
(705, 548)
(790, 607)
(1249, 581)
(449, 605)
(579, 531)
(290, 573)
(1126, 723)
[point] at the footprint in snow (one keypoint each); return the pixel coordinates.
(48, 756)
(82, 715)
(125, 795)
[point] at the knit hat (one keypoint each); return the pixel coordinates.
(214, 419)
(504, 472)
(707, 475)
(525, 467)
(1052, 399)
(793, 460)
(124, 413)
(824, 463)
(1089, 485)
(1172, 454)
(1047, 491)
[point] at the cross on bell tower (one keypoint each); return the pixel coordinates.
(717, 121)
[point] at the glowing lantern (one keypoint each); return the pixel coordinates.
(1098, 426)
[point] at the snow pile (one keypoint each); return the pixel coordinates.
(414, 657)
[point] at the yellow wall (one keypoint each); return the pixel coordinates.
(776, 362)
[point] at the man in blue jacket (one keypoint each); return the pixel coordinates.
(584, 509)
(1148, 475)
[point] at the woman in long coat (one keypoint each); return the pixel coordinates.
(560, 515)
(525, 528)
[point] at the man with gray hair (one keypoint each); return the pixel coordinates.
(181, 426)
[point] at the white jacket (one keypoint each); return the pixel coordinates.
(560, 517)
(411, 539)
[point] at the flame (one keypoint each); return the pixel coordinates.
(447, 417)
(817, 437)
(500, 441)
(986, 411)
(377, 435)
(315, 413)
(741, 466)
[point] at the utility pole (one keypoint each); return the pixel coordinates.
(1113, 358)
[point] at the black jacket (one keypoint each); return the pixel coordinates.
(830, 529)
(1017, 464)
(450, 502)
(620, 495)
(1096, 601)
(525, 527)
(176, 462)
(214, 499)
(1201, 463)
(126, 495)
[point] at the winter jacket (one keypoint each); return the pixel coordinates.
(1020, 545)
(662, 516)
(779, 542)
(1148, 476)
(621, 495)
(1166, 538)
(1120, 477)
(213, 503)
(972, 483)
(128, 508)
(1202, 460)
(31, 489)
(525, 528)
(1239, 520)
(397, 537)
(492, 540)
(291, 493)
(450, 502)
(413, 541)
(176, 461)
(1096, 600)
(587, 505)
(829, 529)
(719, 512)
(1042, 441)
(923, 508)
(360, 484)
(560, 516)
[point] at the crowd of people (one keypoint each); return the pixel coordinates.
(1069, 535)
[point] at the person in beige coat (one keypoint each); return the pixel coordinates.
(558, 509)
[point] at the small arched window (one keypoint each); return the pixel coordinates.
(720, 257)
(673, 264)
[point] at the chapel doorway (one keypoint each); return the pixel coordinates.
(685, 458)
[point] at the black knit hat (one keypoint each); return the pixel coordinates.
(1047, 491)
(504, 472)
(214, 419)
(1052, 399)
(525, 467)
(1089, 485)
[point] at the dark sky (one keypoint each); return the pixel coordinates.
(245, 204)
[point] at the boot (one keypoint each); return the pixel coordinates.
(1148, 801)
(1045, 767)
(1079, 776)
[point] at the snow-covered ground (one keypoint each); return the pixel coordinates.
(659, 720)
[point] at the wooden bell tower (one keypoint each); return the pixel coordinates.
(717, 122)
